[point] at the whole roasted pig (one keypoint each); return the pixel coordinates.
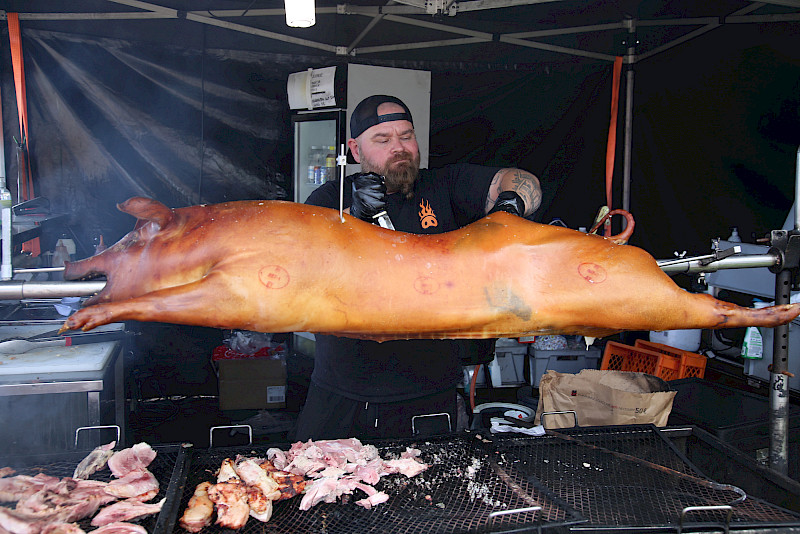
(274, 266)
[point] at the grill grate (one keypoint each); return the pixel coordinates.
(592, 470)
(446, 498)
(167, 468)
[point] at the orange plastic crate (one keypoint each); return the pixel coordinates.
(693, 365)
(621, 357)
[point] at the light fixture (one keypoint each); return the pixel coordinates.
(300, 13)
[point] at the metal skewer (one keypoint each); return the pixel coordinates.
(341, 161)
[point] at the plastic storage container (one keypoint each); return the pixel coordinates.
(681, 339)
(621, 357)
(562, 361)
(692, 365)
(507, 368)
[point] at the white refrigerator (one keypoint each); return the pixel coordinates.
(318, 136)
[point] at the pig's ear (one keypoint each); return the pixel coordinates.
(145, 210)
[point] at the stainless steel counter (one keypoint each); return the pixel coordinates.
(76, 369)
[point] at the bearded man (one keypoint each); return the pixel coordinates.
(397, 389)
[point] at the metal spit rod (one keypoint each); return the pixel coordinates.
(698, 265)
(19, 290)
(15, 290)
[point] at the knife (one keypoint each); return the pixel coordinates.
(20, 346)
(384, 220)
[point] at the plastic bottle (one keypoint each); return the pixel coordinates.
(312, 164)
(322, 173)
(68, 243)
(753, 344)
(734, 237)
(330, 164)
(319, 165)
(61, 255)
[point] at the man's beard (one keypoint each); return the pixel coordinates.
(400, 172)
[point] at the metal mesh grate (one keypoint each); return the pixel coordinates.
(607, 473)
(464, 485)
(166, 467)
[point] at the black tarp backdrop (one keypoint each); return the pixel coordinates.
(716, 128)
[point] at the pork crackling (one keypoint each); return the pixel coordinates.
(275, 266)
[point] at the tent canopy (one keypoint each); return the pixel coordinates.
(484, 31)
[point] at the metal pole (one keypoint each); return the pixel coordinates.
(779, 382)
(779, 376)
(630, 60)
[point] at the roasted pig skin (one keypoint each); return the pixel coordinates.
(274, 266)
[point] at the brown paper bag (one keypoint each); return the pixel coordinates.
(603, 398)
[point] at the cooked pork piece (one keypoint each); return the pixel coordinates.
(227, 471)
(136, 458)
(69, 500)
(17, 523)
(95, 461)
(370, 472)
(121, 528)
(125, 511)
(12, 489)
(289, 484)
(198, 514)
(231, 501)
(140, 484)
(254, 475)
(406, 466)
(277, 457)
(51, 507)
(374, 497)
(6, 471)
(62, 528)
(319, 490)
(260, 506)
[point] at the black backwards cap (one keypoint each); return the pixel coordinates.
(366, 114)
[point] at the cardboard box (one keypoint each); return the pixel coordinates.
(251, 383)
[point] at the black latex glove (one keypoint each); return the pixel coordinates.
(369, 196)
(511, 202)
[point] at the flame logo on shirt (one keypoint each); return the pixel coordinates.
(426, 216)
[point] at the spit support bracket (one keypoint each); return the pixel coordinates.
(785, 246)
(719, 255)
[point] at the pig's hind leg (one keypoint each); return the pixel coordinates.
(192, 304)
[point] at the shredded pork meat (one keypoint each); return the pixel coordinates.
(322, 471)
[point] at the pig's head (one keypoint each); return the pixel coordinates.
(120, 263)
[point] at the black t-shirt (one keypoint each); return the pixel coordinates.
(444, 200)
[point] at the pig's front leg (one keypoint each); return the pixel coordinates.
(191, 303)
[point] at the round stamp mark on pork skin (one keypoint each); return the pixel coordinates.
(426, 285)
(592, 272)
(273, 277)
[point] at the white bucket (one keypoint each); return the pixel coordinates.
(680, 339)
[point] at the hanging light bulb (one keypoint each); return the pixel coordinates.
(300, 13)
